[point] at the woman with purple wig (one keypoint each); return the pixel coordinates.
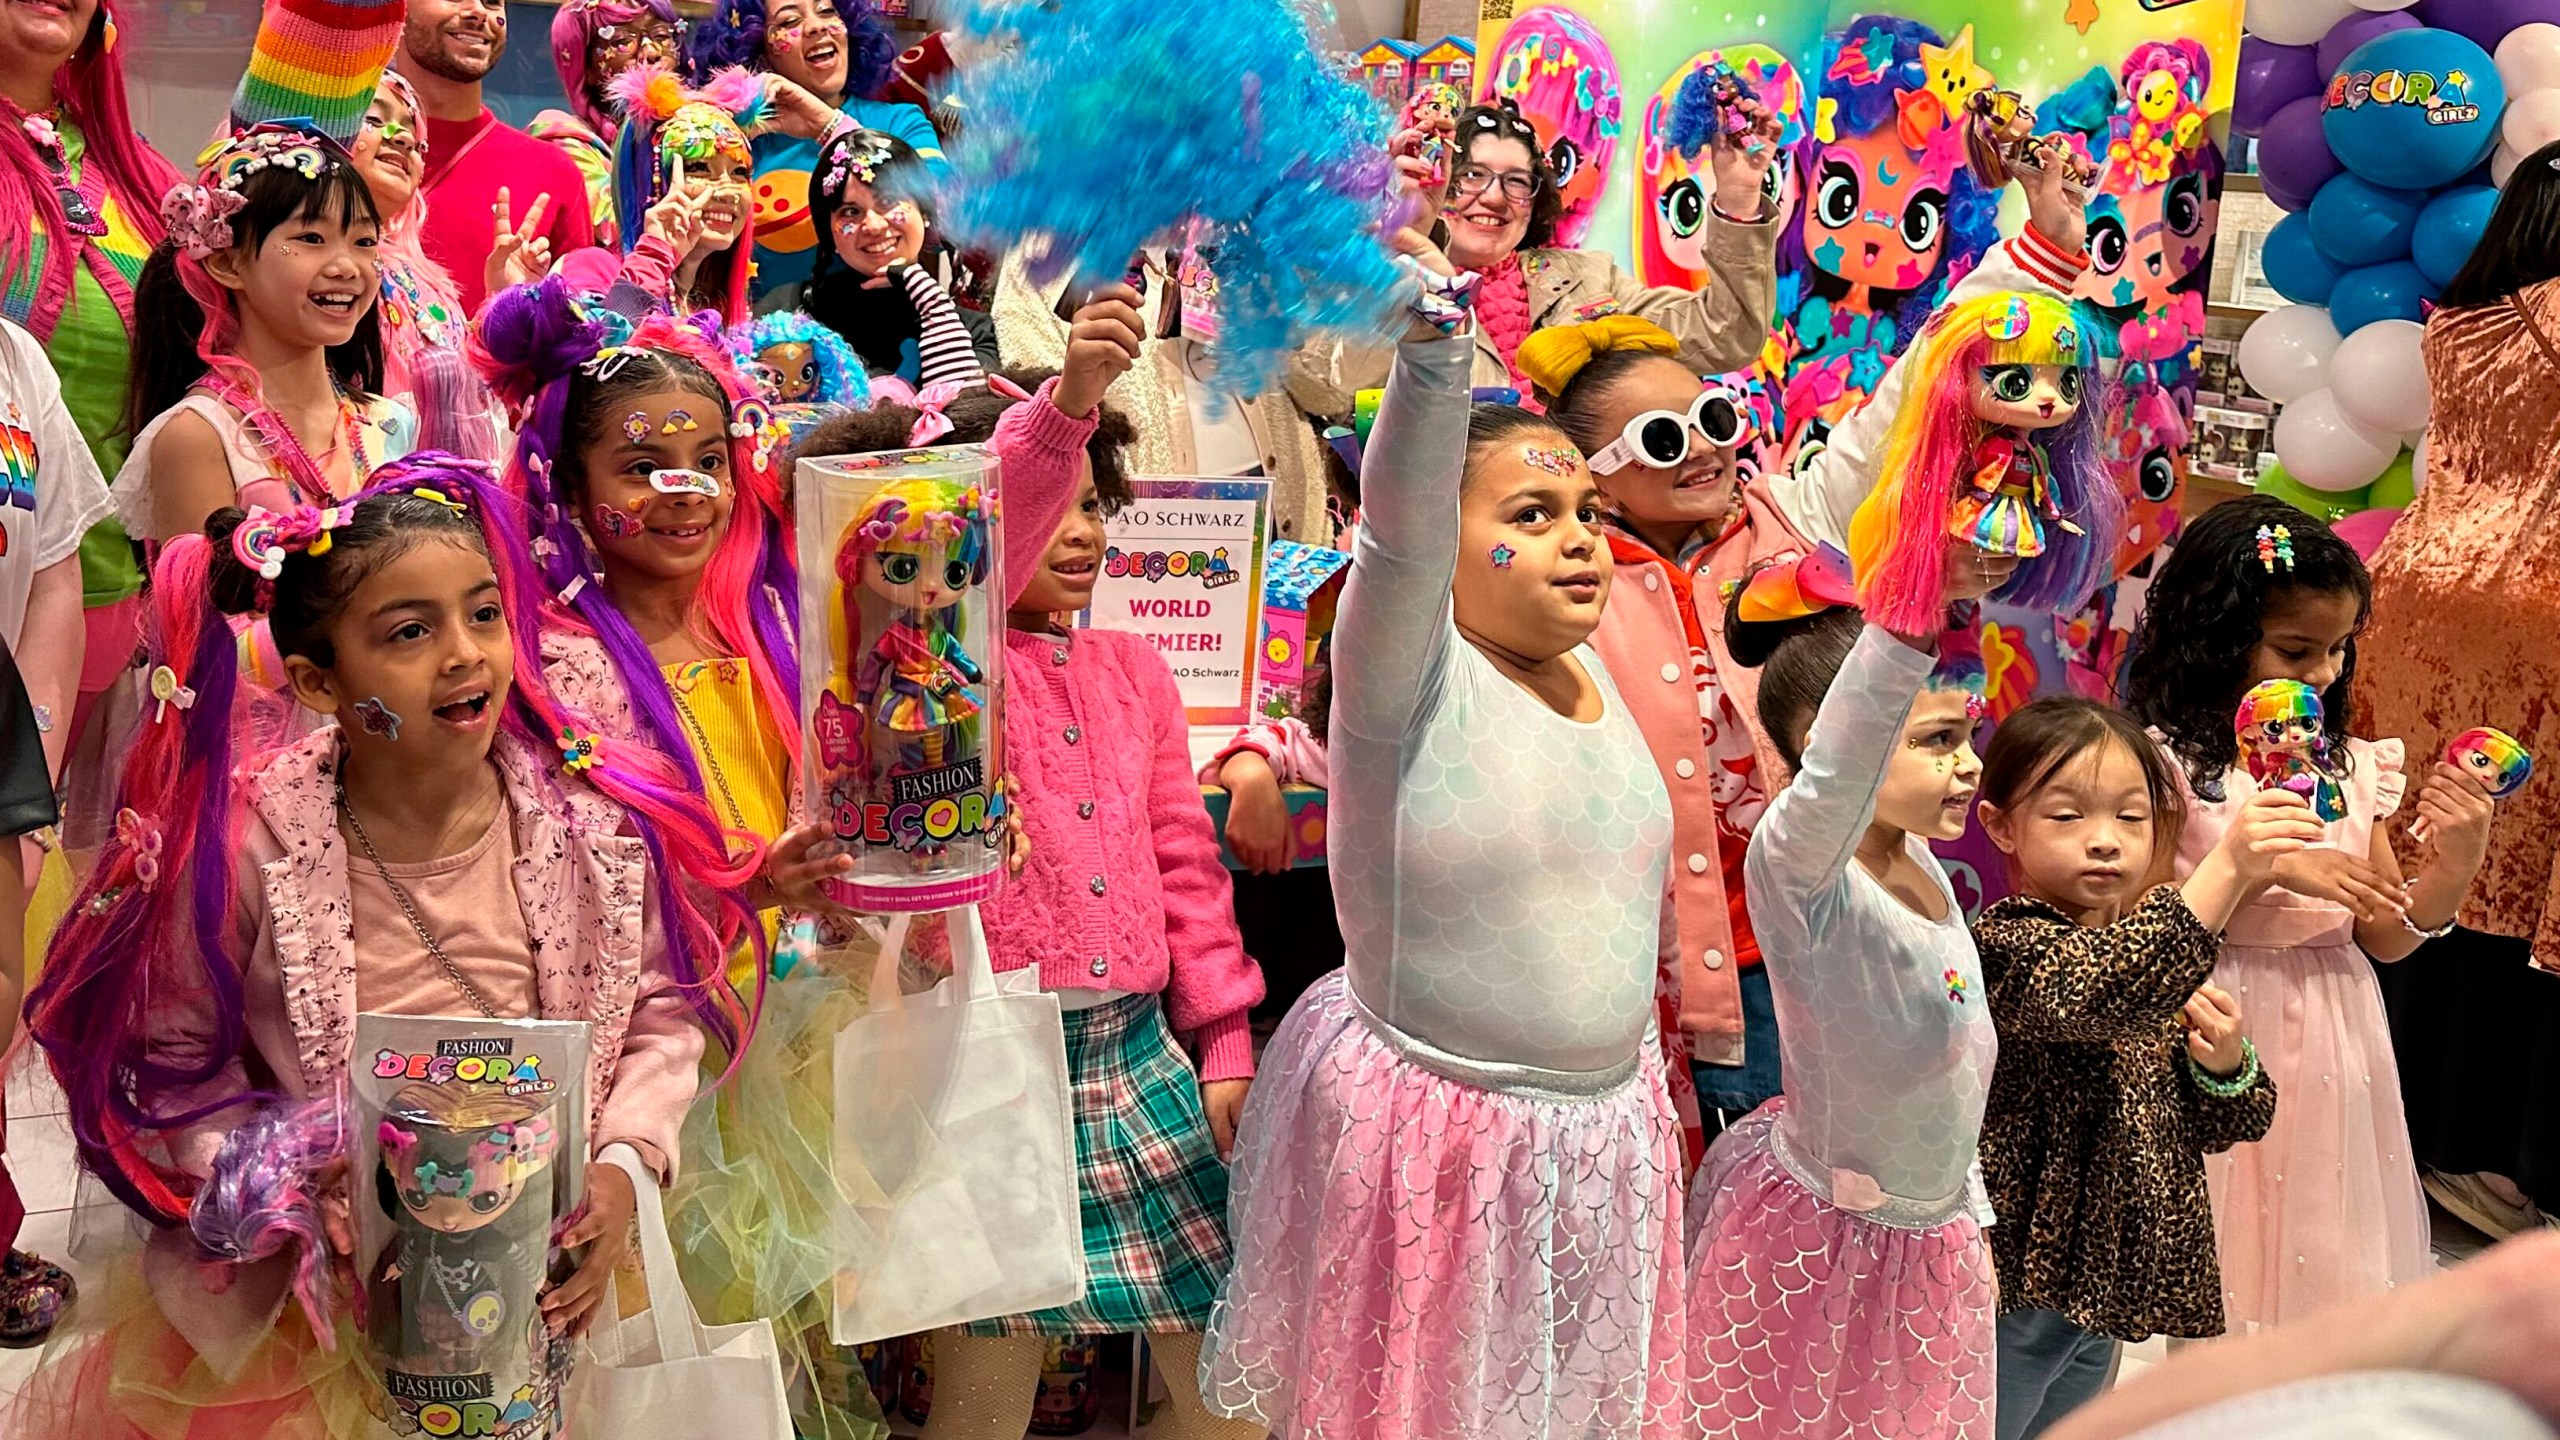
(459, 843)
(592, 43)
(827, 58)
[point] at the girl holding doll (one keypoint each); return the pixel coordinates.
(448, 848)
(2327, 1206)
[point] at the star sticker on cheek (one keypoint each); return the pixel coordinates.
(1502, 557)
(1828, 255)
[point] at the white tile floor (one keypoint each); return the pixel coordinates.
(41, 1158)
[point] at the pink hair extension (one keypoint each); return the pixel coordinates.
(264, 1194)
(91, 91)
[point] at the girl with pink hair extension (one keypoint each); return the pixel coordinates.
(598, 889)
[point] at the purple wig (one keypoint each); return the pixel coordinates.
(734, 34)
(573, 39)
(263, 1198)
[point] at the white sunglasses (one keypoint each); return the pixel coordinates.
(1660, 438)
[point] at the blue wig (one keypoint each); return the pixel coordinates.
(1102, 129)
(733, 34)
(842, 379)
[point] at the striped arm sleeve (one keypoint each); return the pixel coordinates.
(317, 60)
(943, 350)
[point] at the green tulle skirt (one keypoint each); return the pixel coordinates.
(761, 1220)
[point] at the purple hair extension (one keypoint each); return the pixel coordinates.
(264, 1195)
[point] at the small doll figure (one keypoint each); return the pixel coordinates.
(2284, 747)
(1434, 110)
(907, 560)
(2000, 144)
(466, 1176)
(1998, 445)
(2494, 758)
(804, 362)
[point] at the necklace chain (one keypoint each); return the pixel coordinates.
(702, 747)
(408, 908)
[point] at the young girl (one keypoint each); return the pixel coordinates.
(257, 356)
(1457, 1198)
(2120, 1066)
(1839, 1285)
(434, 853)
(883, 279)
(2327, 1206)
(1123, 907)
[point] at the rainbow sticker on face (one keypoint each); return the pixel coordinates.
(2494, 758)
(1561, 461)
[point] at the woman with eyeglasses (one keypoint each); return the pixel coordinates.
(592, 43)
(826, 58)
(1497, 205)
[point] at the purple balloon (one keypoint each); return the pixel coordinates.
(2284, 199)
(2293, 153)
(2356, 29)
(2270, 78)
(2486, 22)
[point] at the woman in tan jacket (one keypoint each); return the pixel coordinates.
(1498, 214)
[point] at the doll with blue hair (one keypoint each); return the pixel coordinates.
(807, 371)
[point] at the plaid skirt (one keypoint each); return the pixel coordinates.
(1153, 1190)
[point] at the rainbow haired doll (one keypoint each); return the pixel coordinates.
(1997, 444)
(911, 554)
(2284, 746)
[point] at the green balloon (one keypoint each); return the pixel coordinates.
(2330, 506)
(2395, 487)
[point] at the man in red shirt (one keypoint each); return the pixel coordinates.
(446, 49)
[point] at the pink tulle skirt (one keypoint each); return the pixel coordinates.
(1808, 1322)
(2327, 1206)
(1420, 1258)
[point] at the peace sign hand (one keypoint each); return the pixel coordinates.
(677, 217)
(518, 254)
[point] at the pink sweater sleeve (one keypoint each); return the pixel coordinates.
(1296, 756)
(1042, 450)
(658, 1072)
(1212, 982)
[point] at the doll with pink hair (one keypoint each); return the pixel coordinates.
(592, 43)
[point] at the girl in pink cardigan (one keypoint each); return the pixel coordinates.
(1124, 906)
(439, 851)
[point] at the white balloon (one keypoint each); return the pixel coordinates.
(2529, 58)
(2532, 121)
(2384, 4)
(2294, 22)
(2379, 376)
(2285, 353)
(2325, 450)
(2503, 163)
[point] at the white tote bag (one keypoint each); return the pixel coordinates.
(666, 1375)
(953, 1108)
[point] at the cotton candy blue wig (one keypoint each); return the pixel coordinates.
(1100, 128)
(841, 377)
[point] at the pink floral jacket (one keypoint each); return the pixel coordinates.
(583, 883)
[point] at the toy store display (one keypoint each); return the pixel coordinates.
(471, 1140)
(1301, 585)
(901, 601)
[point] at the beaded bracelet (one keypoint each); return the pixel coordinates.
(2238, 1085)
(1443, 302)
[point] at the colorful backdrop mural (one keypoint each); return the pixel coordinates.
(1881, 215)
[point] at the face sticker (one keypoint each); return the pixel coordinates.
(680, 422)
(684, 482)
(635, 427)
(618, 524)
(378, 718)
(1502, 557)
(1560, 461)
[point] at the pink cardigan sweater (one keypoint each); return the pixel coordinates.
(1123, 890)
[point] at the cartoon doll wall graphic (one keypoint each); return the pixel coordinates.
(1889, 217)
(1673, 186)
(1555, 66)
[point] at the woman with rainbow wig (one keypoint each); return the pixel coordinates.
(592, 43)
(681, 172)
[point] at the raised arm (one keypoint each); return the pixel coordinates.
(318, 60)
(1041, 441)
(1721, 325)
(1392, 634)
(1805, 841)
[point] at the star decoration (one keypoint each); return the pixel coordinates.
(2080, 15)
(1952, 73)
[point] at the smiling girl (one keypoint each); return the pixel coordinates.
(437, 852)
(424, 364)
(257, 365)
(683, 166)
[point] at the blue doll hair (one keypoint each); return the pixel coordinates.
(1693, 113)
(733, 34)
(1235, 118)
(842, 380)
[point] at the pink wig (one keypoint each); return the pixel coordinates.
(1555, 66)
(573, 38)
(90, 88)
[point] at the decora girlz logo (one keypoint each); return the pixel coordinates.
(1211, 568)
(472, 1062)
(2446, 98)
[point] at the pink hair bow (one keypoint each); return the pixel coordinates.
(932, 401)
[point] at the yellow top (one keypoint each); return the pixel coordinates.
(746, 769)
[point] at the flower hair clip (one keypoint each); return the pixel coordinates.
(578, 752)
(2275, 547)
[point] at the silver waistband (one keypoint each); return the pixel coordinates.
(1897, 1212)
(1534, 1081)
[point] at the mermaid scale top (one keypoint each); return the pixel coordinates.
(1498, 867)
(1889, 1041)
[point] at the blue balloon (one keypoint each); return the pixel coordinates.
(2393, 291)
(2294, 265)
(2356, 222)
(2448, 229)
(2414, 109)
